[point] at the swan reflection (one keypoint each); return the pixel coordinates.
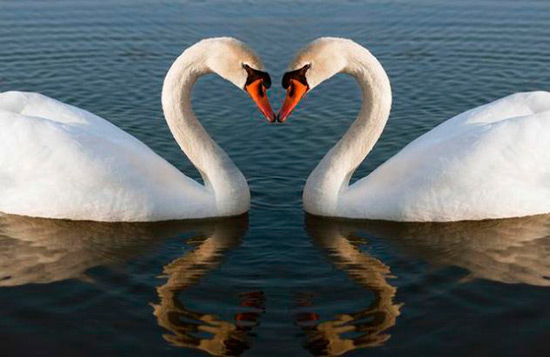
(188, 328)
(41, 251)
(358, 329)
(513, 251)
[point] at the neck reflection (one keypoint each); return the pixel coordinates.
(359, 329)
(204, 331)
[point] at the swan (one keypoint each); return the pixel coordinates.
(59, 161)
(492, 161)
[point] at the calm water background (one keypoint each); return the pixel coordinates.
(265, 282)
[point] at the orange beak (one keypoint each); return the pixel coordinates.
(258, 93)
(294, 93)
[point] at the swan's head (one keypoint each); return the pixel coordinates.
(320, 60)
(234, 61)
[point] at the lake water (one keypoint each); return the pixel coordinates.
(275, 282)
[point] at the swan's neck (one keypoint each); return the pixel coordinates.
(221, 177)
(330, 179)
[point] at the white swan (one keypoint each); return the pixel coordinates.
(489, 162)
(59, 161)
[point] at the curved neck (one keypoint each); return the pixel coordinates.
(331, 177)
(221, 177)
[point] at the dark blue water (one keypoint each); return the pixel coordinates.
(275, 282)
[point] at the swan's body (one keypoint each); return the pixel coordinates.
(59, 161)
(79, 166)
(489, 162)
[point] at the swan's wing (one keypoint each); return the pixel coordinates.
(82, 167)
(513, 106)
(40, 106)
(483, 163)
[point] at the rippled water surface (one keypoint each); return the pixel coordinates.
(275, 282)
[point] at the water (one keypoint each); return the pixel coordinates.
(275, 282)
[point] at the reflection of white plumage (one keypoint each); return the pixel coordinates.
(39, 251)
(59, 161)
(489, 162)
(512, 251)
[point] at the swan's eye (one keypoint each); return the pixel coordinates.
(254, 75)
(256, 84)
(297, 75)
